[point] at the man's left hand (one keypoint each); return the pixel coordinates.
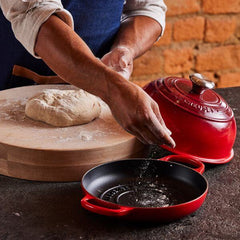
(120, 59)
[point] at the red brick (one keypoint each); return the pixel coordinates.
(221, 6)
(220, 29)
(229, 80)
(227, 57)
(189, 29)
(141, 83)
(237, 32)
(178, 7)
(151, 62)
(210, 76)
(178, 60)
(145, 80)
(166, 39)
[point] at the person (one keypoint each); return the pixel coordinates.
(90, 44)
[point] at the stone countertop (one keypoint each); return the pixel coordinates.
(41, 210)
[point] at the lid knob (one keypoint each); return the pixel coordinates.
(200, 83)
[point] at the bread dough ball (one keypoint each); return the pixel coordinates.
(63, 108)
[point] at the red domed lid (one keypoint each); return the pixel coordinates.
(195, 96)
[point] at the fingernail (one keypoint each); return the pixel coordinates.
(170, 142)
(173, 144)
(169, 132)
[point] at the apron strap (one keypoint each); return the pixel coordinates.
(23, 72)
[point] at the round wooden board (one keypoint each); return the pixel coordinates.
(37, 151)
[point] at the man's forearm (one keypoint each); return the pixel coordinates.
(70, 58)
(138, 34)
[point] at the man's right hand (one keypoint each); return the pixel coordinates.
(139, 114)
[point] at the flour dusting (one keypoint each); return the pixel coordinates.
(84, 136)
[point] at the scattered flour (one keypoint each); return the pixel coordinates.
(82, 136)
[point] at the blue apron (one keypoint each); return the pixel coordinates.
(95, 21)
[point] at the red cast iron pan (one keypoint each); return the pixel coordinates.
(145, 190)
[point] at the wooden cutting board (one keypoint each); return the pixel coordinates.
(37, 151)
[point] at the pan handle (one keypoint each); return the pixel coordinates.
(92, 204)
(195, 164)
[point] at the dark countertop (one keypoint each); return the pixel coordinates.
(38, 210)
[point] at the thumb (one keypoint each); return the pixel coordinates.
(123, 62)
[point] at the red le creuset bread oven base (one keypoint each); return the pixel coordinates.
(202, 123)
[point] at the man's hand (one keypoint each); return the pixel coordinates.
(120, 59)
(139, 114)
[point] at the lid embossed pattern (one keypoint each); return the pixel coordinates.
(208, 104)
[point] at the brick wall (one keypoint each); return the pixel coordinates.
(201, 36)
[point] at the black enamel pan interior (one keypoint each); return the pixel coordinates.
(148, 189)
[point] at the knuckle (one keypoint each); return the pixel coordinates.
(154, 104)
(156, 107)
(144, 116)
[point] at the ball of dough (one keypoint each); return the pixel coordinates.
(63, 108)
